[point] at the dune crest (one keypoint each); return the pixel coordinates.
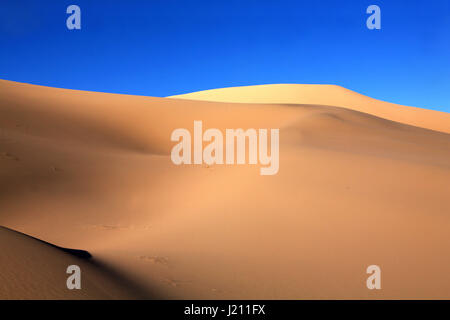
(330, 95)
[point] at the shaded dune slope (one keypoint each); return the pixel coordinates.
(35, 269)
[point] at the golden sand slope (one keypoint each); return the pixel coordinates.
(92, 171)
(325, 95)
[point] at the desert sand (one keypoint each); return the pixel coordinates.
(361, 182)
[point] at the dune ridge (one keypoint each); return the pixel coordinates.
(331, 95)
(93, 171)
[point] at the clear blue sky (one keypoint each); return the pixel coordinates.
(165, 47)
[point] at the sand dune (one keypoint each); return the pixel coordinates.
(92, 171)
(33, 269)
(331, 95)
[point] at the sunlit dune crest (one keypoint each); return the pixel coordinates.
(330, 95)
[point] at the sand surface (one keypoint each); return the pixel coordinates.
(361, 182)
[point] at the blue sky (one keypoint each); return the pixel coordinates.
(165, 47)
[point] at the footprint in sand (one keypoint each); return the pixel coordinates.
(115, 227)
(175, 283)
(155, 259)
(9, 156)
(106, 227)
(56, 169)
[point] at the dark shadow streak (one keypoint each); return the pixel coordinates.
(124, 281)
